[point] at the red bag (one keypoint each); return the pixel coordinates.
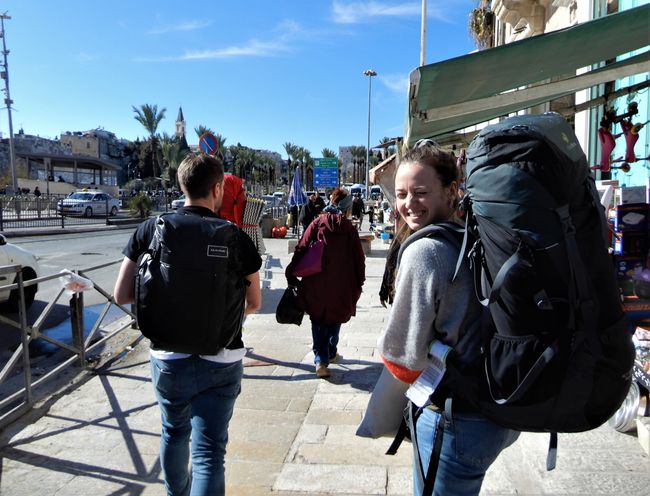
(312, 261)
(234, 200)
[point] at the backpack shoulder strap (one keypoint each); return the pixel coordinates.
(154, 245)
(451, 231)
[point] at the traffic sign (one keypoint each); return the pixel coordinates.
(326, 172)
(329, 162)
(209, 144)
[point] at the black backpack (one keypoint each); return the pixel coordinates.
(190, 292)
(556, 351)
(560, 355)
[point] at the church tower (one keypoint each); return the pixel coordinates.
(180, 129)
(180, 124)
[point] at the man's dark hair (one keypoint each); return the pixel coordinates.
(198, 173)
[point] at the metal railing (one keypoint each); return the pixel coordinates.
(23, 211)
(21, 401)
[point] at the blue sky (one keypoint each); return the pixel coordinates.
(259, 72)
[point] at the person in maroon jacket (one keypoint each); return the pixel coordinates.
(330, 297)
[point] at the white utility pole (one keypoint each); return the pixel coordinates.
(370, 73)
(8, 102)
(423, 35)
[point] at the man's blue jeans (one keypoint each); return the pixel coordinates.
(325, 340)
(197, 398)
(469, 446)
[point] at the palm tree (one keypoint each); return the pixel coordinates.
(149, 117)
(358, 159)
(221, 143)
(173, 154)
(328, 153)
(387, 151)
(200, 130)
(308, 166)
(290, 149)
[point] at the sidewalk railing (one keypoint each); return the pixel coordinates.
(23, 211)
(21, 401)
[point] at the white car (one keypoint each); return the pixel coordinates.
(88, 203)
(178, 202)
(14, 255)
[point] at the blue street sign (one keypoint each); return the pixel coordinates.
(209, 144)
(326, 172)
(326, 178)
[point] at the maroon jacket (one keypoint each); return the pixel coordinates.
(330, 297)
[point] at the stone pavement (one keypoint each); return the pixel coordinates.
(292, 434)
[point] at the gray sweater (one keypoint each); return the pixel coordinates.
(429, 306)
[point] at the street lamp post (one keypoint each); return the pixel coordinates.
(370, 73)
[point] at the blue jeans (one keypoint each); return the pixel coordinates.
(469, 446)
(325, 338)
(196, 398)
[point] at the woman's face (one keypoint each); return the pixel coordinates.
(420, 196)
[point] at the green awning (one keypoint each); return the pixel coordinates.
(463, 91)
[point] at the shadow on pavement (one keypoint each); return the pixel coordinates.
(131, 481)
(363, 379)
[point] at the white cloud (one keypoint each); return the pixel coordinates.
(358, 12)
(289, 32)
(191, 25)
(399, 83)
(252, 48)
(85, 57)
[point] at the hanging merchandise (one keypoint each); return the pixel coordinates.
(631, 132)
(252, 216)
(608, 140)
(607, 145)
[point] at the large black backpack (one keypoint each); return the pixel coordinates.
(556, 352)
(190, 292)
(559, 356)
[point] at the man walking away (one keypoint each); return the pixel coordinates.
(358, 209)
(195, 330)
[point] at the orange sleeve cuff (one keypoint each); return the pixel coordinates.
(402, 373)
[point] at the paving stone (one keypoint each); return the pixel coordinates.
(332, 479)
(252, 402)
(239, 449)
(353, 454)
(340, 401)
(251, 473)
(300, 405)
(400, 481)
(308, 433)
(333, 417)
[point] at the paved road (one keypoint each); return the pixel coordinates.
(67, 251)
(292, 434)
(76, 251)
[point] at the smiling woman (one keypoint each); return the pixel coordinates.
(426, 187)
(435, 313)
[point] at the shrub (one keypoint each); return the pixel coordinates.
(140, 205)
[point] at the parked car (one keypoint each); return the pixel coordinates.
(271, 202)
(178, 202)
(11, 254)
(88, 203)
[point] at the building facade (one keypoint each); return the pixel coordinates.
(516, 20)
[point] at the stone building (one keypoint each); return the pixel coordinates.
(77, 159)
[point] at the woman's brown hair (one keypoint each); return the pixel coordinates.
(337, 195)
(427, 153)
